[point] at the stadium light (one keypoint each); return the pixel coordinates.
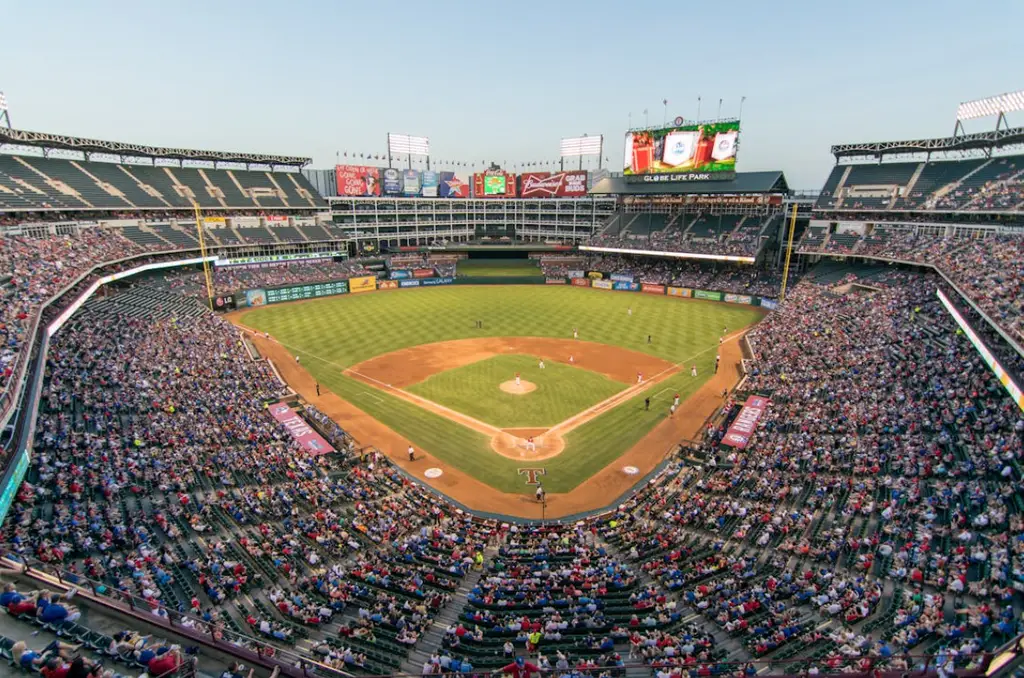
(3, 102)
(403, 144)
(584, 145)
(997, 105)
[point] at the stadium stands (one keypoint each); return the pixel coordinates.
(33, 183)
(705, 233)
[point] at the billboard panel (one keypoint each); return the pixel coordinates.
(688, 152)
(602, 284)
(581, 282)
(742, 428)
(554, 281)
(358, 180)
(387, 284)
(364, 283)
(392, 182)
(494, 184)
(679, 292)
(452, 186)
(255, 298)
(739, 299)
(651, 288)
(553, 185)
(429, 182)
(621, 277)
(626, 286)
(410, 182)
(300, 430)
(705, 294)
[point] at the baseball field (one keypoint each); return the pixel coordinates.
(437, 368)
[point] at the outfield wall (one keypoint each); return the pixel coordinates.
(615, 282)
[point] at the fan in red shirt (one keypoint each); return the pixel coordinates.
(520, 668)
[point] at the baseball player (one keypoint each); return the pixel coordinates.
(541, 364)
(571, 360)
(530, 445)
(718, 359)
(672, 411)
(540, 492)
(412, 454)
(629, 311)
(517, 379)
(675, 401)
(575, 333)
(693, 370)
(639, 377)
(297, 361)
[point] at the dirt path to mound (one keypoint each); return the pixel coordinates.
(412, 365)
(596, 492)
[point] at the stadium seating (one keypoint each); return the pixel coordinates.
(722, 234)
(37, 183)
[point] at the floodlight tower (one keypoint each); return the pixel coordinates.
(5, 115)
(997, 106)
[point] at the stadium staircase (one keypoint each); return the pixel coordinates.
(841, 184)
(909, 187)
(981, 195)
(952, 187)
(624, 231)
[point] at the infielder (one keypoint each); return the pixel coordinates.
(639, 377)
(571, 361)
(693, 370)
(718, 359)
(540, 365)
(675, 401)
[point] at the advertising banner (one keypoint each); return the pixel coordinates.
(410, 182)
(276, 218)
(595, 275)
(363, 283)
(255, 298)
(392, 181)
(430, 282)
(302, 432)
(215, 222)
(704, 294)
(621, 277)
(423, 273)
(387, 284)
(601, 284)
(357, 180)
(581, 282)
(554, 281)
(680, 292)
(14, 483)
(224, 302)
(429, 182)
(739, 299)
(576, 274)
(683, 152)
(494, 184)
(452, 186)
(398, 274)
(742, 428)
(626, 286)
(409, 283)
(553, 185)
(770, 304)
(652, 289)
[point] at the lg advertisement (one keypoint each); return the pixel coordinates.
(695, 152)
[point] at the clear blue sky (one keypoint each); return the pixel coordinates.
(503, 81)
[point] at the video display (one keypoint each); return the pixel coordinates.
(694, 152)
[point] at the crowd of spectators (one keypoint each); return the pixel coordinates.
(736, 240)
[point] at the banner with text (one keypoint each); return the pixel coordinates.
(554, 281)
(423, 273)
(581, 282)
(300, 430)
(553, 184)
(399, 275)
(392, 181)
(452, 186)
(601, 284)
(410, 183)
(357, 180)
(652, 289)
(680, 292)
(387, 284)
(742, 428)
(710, 296)
(429, 181)
(621, 277)
(364, 283)
(739, 299)
(625, 286)
(576, 274)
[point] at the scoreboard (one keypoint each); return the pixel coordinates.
(313, 291)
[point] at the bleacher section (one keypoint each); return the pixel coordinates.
(975, 184)
(37, 183)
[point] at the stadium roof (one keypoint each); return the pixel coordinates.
(964, 142)
(745, 182)
(64, 142)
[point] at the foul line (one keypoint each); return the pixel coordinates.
(560, 428)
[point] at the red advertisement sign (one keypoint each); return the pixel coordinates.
(553, 185)
(277, 218)
(742, 428)
(423, 273)
(387, 284)
(581, 282)
(302, 432)
(554, 281)
(652, 289)
(357, 180)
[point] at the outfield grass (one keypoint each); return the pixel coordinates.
(337, 332)
(562, 391)
(492, 268)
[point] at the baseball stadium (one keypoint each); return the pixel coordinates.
(389, 414)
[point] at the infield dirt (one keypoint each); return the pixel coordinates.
(412, 365)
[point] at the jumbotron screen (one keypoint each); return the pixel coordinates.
(494, 184)
(695, 152)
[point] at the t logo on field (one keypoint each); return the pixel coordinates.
(532, 475)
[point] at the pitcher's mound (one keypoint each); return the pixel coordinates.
(518, 389)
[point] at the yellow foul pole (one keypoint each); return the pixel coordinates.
(789, 253)
(202, 252)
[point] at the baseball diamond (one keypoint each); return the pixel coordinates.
(413, 368)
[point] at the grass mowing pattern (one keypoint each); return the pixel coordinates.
(337, 332)
(562, 391)
(487, 268)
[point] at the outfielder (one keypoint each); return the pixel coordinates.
(693, 370)
(575, 333)
(540, 365)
